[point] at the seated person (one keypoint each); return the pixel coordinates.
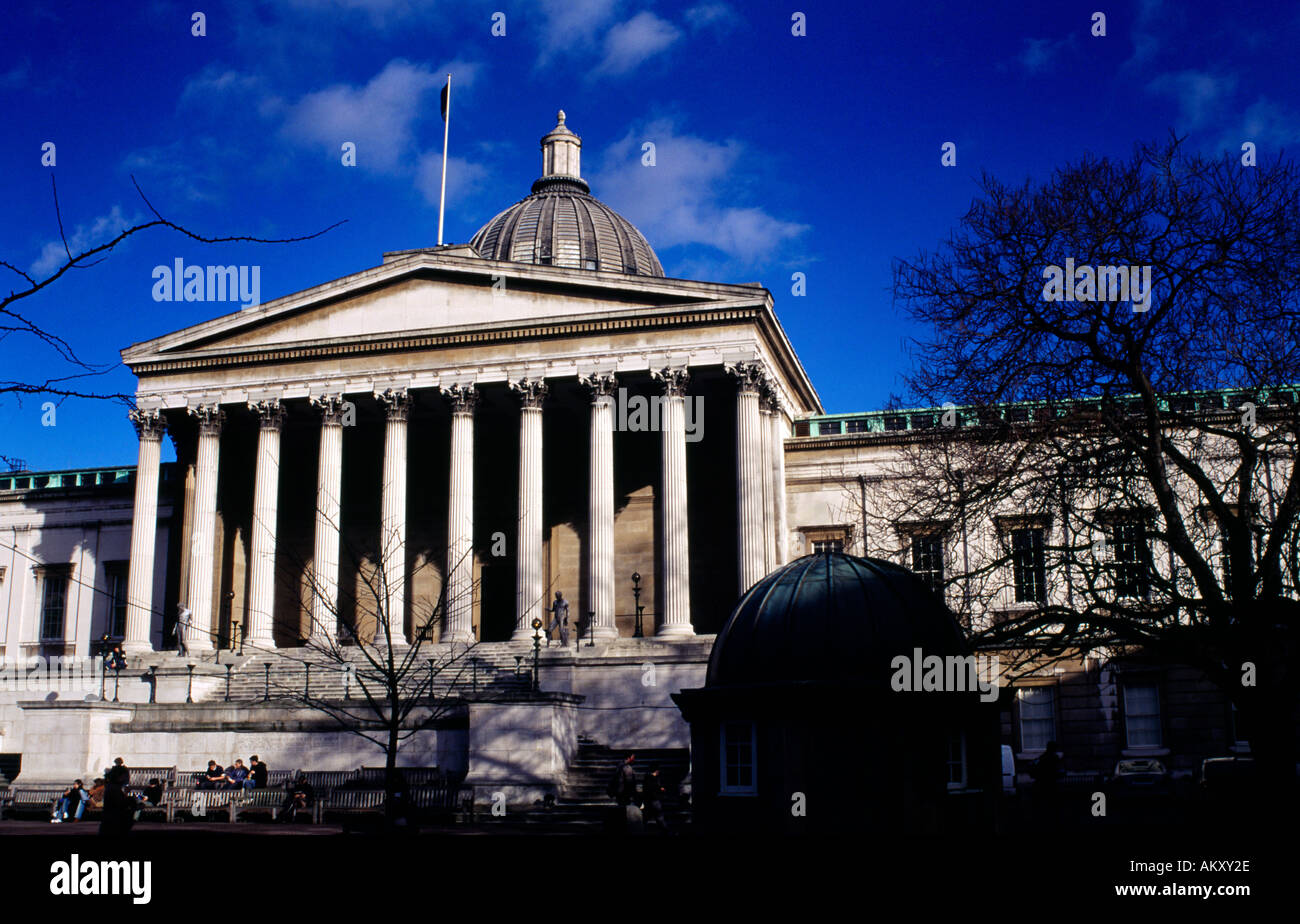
(300, 796)
(237, 776)
(153, 793)
(213, 777)
(258, 773)
(74, 798)
(95, 798)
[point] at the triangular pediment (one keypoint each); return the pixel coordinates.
(424, 293)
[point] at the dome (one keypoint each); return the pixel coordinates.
(831, 618)
(562, 224)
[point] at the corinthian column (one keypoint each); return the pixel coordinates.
(392, 529)
(329, 489)
(266, 505)
(777, 423)
(765, 474)
(149, 427)
(198, 634)
(460, 517)
(600, 505)
(528, 558)
(674, 577)
(749, 473)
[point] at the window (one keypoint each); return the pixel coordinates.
(927, 560)
(1028, 565)
(1132, 567)
(957, 760)
(829, 427)
(589, 264)
(826, 546)
(54, 603)
(1037, 717)
(1142, 715)
(895, 422)
(738, 758)
(116, 572)
(856, 425)
(802, 428)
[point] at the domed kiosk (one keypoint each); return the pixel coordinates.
(841, 695)
(562, 224)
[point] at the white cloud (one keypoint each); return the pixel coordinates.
(718, 15)
(629, 44)
(83, 237)
(571, 24)
(463, 177)
(1040, 55)
(1200, 96)
(378, 117)
(682, 199)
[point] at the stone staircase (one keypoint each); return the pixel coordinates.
(583, 807)
(296, 672)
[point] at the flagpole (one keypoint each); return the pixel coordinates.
(446, 125)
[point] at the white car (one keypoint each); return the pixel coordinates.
(1008, 770)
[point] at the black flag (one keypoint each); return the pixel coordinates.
(446, 88)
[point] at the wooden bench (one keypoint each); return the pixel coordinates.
(439, 801)
(373, 777)
(353, 802)
(325, 781)
(36, 798)
(140, 777)
(258, 801)
(184, 801)
(278, 779)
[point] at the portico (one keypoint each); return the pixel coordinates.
(437, 438)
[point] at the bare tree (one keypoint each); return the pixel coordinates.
(18, 327)
(1155, 440)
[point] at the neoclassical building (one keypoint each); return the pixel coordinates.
(451, 438)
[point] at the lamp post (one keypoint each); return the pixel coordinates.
(117, 678)
(266, 689)
(103, 674)
(537, 652)
(636, 595)
(189, 683)
(591, 628)
(229, 668)
(153, 683)
(306, 688)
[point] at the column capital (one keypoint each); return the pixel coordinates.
(149, 423)
(531, 392)
(769, 399)
(750, 376)
(331, 408)
(397, 401)
(674, 378)
(599, 384)
(210, 417)
(463, 398)
(270, 413)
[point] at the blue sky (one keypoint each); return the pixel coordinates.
(775, 153)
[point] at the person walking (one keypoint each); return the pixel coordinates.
(559, 620)
(119, 806)
(652, 795)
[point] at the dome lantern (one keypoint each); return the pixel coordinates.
(562, 224)
(562, 153)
